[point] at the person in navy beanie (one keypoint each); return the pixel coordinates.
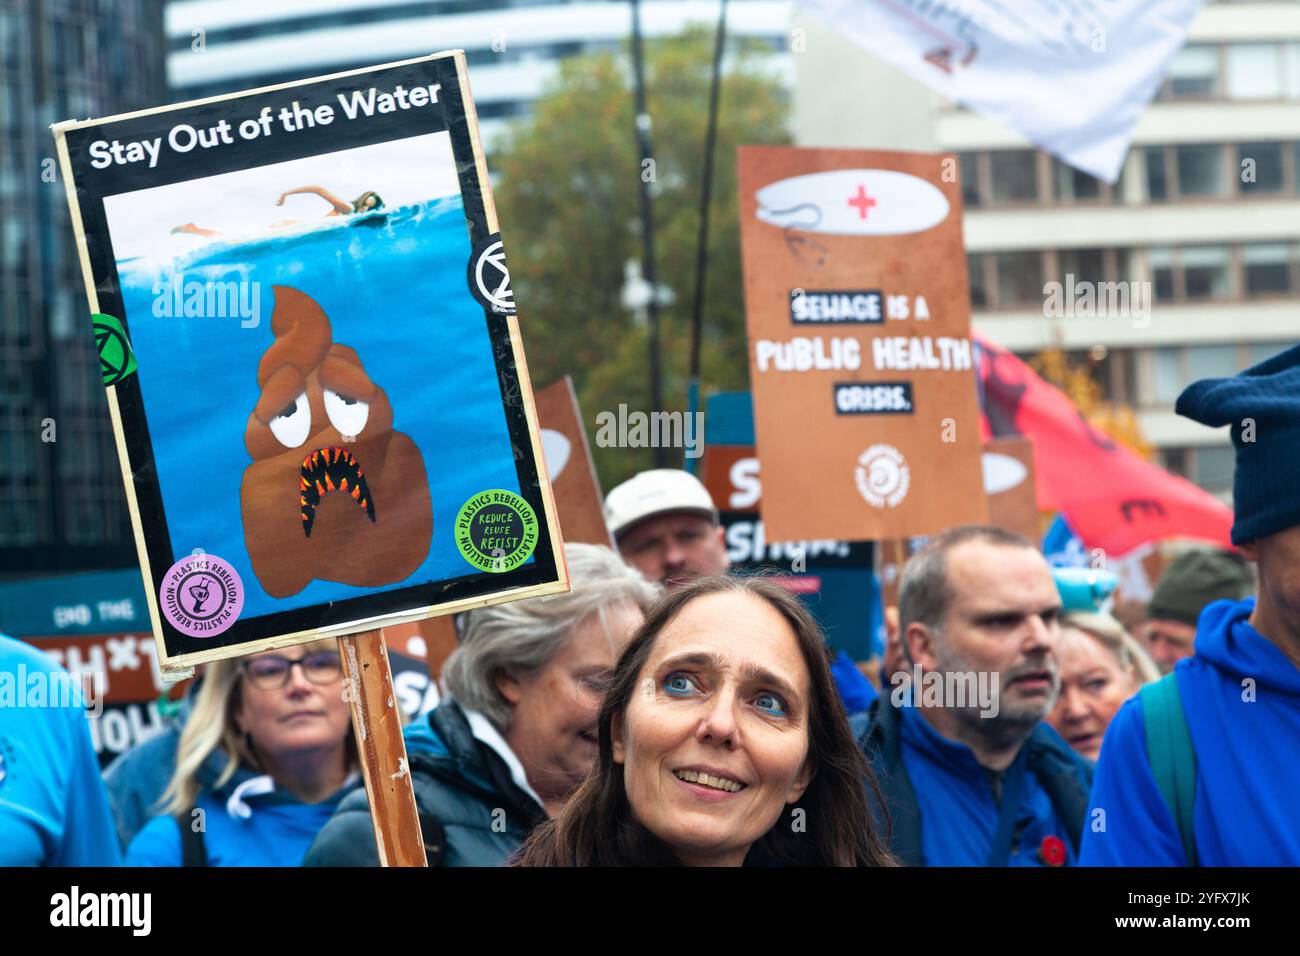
(1202, 767)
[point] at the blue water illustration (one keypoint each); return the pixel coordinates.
(394, 287)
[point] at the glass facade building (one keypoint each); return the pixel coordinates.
(62, 505)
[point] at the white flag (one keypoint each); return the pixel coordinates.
(1072, 77)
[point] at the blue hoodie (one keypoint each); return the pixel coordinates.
(53, 811)
(246, 822)
(1246, 810)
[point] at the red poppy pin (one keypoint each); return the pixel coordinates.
(1052, 851)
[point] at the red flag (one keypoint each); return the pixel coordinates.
(1112, 497)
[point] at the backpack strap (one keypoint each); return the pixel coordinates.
(1171, 755)
(194, 851)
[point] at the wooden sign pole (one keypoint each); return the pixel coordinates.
(377, 723)
(893, 555)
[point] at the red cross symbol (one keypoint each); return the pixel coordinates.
(862, 201)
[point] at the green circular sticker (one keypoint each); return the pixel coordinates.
(496, 531)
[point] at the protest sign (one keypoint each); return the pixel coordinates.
(858, 315)
(320, 403)
(1009, 482)
(1074, 78)
(569, 465)
(834, 578)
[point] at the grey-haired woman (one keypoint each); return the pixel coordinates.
(516, 731)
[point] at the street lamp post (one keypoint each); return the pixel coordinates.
(645, 153)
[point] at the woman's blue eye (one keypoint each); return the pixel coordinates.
(678, 684)
(771, 704)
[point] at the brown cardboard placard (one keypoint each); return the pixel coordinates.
(569, 465)
(730, 474)
(861, 363)
(1009, 483)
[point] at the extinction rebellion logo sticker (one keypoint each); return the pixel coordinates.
(489, 278)
(496, 531)
(882, 476)
(202, 595)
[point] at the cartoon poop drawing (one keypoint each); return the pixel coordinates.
(333, 492)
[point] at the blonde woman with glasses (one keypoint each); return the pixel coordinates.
(262, 763)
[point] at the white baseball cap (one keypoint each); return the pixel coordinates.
(656, 492)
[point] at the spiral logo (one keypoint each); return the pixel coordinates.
(882, 476)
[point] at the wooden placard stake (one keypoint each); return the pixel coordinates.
(377, 723)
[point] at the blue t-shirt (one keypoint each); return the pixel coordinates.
(53, 809)
(276, 833)
(959, 812)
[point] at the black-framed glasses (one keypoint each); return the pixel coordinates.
(271, 671)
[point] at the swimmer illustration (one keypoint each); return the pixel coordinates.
(368, 201)
(333, 492)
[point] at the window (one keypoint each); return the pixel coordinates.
(1260, 351)
(19, 448)
(1175, 461)
(1254, 71)
(1268, 268)
(1259, 167)
(1014, 175)
(1086, 265)
(1200, 171)
(1214, 466)
(1291, 74)
(1161, 260)
(11, 244)
(1169, 376)
(1205, 271)
(17, 523)
(970, 180)
(1157, 181)
(1194, 73)
(1071, 185)
(1020, 278)
(1211, 361)
(979, 293)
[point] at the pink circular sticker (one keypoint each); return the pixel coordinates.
(202, 595)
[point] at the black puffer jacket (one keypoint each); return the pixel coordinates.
(471, 812)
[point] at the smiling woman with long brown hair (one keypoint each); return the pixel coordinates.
(722, 742)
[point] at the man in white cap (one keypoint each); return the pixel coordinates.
(666, 526)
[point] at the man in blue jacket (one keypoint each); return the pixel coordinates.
(969, 772)
(1204, 767)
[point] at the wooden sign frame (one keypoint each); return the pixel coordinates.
(542, 572)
